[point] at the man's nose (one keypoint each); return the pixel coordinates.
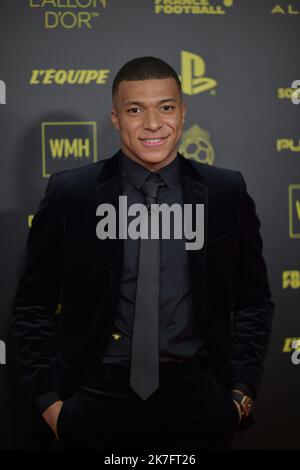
(152, 120)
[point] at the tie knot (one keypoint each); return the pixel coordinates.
(151, 187)
(154, 177)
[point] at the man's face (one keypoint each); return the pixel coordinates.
(149, 115)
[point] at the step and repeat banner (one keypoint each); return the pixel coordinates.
(240, 74)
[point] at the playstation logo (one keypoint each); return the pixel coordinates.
(193, 80)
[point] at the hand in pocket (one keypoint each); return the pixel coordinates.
(51, 415)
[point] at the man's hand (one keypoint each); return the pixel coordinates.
(51, 414)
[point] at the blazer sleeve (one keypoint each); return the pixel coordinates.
(33, 323)
(253, 308)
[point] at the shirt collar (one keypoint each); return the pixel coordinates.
(137, 173)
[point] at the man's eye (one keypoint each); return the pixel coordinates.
(133, 110)
(168, 107)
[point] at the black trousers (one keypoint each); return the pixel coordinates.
(191, 410)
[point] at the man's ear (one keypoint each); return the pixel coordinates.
(115, 119)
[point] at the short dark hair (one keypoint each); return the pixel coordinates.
(144, 68)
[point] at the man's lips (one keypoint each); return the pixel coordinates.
(154, 142)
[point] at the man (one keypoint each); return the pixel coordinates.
(155, 345)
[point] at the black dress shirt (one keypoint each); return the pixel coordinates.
(179, 334)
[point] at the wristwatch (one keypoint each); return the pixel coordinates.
(245, 402)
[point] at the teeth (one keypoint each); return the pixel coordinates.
(152, 140)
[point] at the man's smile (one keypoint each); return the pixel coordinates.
(154, 142)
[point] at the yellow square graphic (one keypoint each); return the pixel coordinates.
(293, 232)
(45, 172)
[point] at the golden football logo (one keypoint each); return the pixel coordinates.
(227, 3)
(196, 145)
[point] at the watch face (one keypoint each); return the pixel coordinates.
(247, 405)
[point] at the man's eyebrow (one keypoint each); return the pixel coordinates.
(141, 103)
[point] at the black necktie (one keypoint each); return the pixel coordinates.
(144, 371)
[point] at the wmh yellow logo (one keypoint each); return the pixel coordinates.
(68, 144)
(294, 210)
(193, 79)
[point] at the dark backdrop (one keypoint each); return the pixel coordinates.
(237, 60)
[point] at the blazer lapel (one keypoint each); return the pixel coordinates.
(108, 190)
(195, 192)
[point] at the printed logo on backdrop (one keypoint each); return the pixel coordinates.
(291, 279)
(69, 14)
(291, 93)
(296, 92)
(2, 353)
(192, 7)
(290, 145)
(284, 8)
(67, 145)
(69, 77)
(292, 346)
(193, 79)
(195, 145)
(294, 210)
(2, 92)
